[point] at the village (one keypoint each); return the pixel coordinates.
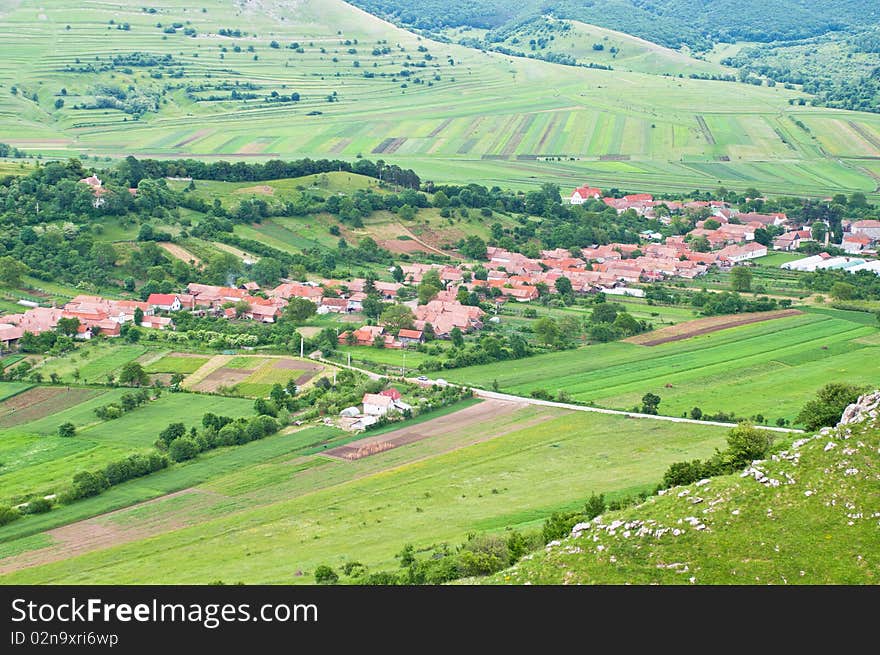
(722, 241)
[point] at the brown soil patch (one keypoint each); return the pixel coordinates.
(112, 529)
(180, 253)
(40, 402)
(690, 329)
(263, 189)
(403, 246)
(224, 377)
(458, 421)
(297, 365)
(194, 137)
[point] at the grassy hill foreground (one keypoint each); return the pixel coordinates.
(806, 515)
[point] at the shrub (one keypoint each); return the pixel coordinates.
(8, 514)
(326, 575)
(182, 449)
(66, 429)
(37, 506)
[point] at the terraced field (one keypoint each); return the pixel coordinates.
(367, 88)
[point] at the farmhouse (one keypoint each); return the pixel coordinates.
(445, 316)
(410, 337)
(736, 254)
(377, 404)
(580, 195)
(855, 243)
(868, 228)
(166, 302)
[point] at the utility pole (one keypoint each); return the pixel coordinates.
(349, 359)
(302, 342)
(404, 364)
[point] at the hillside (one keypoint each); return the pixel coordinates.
(806, 515)
(248, 81)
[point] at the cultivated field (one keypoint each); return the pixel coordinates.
(367, 88)
(699, 326)
(251, 375)
(781, 363)
(314, 509)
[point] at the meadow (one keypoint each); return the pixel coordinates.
(776, 366)
(293, 518)
(36, 460)
(369, 89)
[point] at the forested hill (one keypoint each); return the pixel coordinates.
(672, 23)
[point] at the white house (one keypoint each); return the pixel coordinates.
(580, 195)
(167, 302)
(378, 405)
(868, 228)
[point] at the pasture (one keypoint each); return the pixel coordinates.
(366, 88)
(36, 460)
(92, 362)
(277, 521)
(775, 366)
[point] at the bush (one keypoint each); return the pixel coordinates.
(37, 506)
(182, 449)
(326, 575)
(8, 514)
(66, 430)
(826, 408)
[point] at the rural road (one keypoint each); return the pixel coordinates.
(495, 395)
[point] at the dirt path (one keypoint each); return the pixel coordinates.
(462, 420)
(689, 329)
(180, 253)
(405, 231)
(241, 254)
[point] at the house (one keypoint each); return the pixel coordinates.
(166, 302)
(333, 305)
(409, 337)
(377, 405)
(363, 336)
(855, 243)
(868, 228)
(736, 254)
(392, 393)
(580, 195)
(9, 335)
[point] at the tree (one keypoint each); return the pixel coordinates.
(826, 408)
(563, 286)
(66, 430)
(138, 316)
(843, 291)
(397, 274)
(378, 341)
(68, 326)
(299, 310)
(429, 287)
(700, 244)
(473, 247)
(605, 312)
(746, 443)
(741, 278)
(818, 231)
(182, 449)
(626, 324)
(325, 575)
(172, 432)
(11, 271)
(650, 402)
(266, 271)
(696, 413)
(457, 337)
(132, 374)
(547, 330)
(397, 318)
(372, 307)
(711, 224)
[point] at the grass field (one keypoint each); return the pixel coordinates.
(94, 361)
(452, 113)
(35, 459)
(326, 511)
(777, 366)
(176, 363)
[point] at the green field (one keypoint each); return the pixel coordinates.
(176, 364)
(452, 113)
(328, 511)
(798, 532)
(777, 364)
(9, 389)
(94, 361)
(36, 460)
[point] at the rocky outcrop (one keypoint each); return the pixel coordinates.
(867, 407)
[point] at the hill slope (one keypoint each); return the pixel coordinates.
(808, 515)
(172, 80)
